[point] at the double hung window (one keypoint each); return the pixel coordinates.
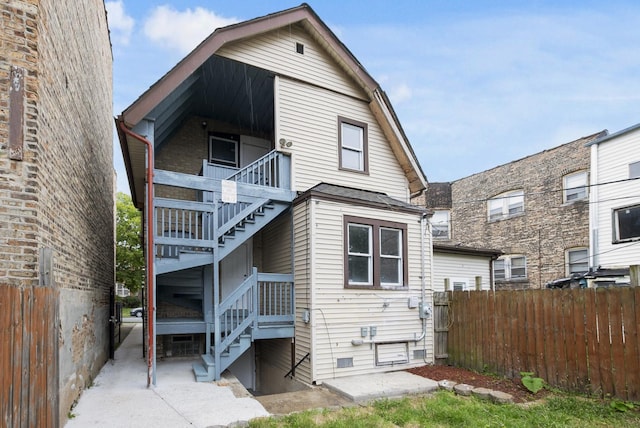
(375, 253)
(574, 186)
(577, 260)
(510, 267)
(353, 142)
(506, 205)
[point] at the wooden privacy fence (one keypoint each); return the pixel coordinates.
(28, 357)
(583, 340)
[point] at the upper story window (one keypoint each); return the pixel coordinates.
(506, 205)
(223, 149)
(577, 260)
(574, 186)
(634, 170)
(626, 224)
(352, 136)
(440, 224)
(375, 253)
(510, 267)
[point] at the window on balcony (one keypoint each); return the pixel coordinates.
(510, 267)
(577, 260)
(353, 142)
(223, 149)
(375, 253)
(505, 205)
(574, 186)
(626, 224)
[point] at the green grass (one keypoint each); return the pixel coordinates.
(444, 409)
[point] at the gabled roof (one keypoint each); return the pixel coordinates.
(606, 136)
(304, 15)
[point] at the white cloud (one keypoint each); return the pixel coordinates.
(182, 30)
(401, 93)
(120, 24)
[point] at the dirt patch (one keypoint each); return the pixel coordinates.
(514, 387)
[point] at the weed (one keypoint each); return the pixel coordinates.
(533, 384)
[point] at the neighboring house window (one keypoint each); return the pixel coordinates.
(353, 141)
(574, 186)
(375, 253)
(440, 224)
(626, 224)
(577, 260)
(510, 267)
(506, 205)
(223, 149)
(634, 170)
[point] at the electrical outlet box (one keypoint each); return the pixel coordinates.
(364, 331)
(373, 330)
(413, 302)
(424, 310)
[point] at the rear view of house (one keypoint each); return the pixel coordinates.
(275, 183)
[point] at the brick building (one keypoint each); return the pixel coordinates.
(535, 210)
(56, 205)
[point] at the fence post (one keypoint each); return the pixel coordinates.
(634, 273)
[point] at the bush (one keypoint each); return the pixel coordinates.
(129, 301)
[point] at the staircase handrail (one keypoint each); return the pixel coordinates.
(271, 170)
(249, 286)
(230, 223)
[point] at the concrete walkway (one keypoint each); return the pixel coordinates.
(120, 398)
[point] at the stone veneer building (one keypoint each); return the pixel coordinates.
(535, 210)
(56, 205)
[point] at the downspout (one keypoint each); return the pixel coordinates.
(151, 369)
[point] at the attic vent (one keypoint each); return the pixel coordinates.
(300, 48)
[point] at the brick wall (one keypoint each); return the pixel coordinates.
(59, 197)
(548, 226)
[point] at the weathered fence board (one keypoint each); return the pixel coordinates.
(583, 340)
(28, 357)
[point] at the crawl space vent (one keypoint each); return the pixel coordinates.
(343, 363)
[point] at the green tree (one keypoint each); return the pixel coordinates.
(129, 252)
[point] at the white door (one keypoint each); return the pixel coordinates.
(235, 268)
(252, 149)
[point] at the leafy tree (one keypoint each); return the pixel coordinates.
(129, 252)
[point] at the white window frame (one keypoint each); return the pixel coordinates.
(440, 224)
(218, 161)
(462, 284)
(509, 266)
(583, 259)
(359, 147)
(368, 255)
(505, 205)
(397, 257)
(617, 238)
(575, 187)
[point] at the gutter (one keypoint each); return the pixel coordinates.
(151, 313)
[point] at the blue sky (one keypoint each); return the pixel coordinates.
(475, 83)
